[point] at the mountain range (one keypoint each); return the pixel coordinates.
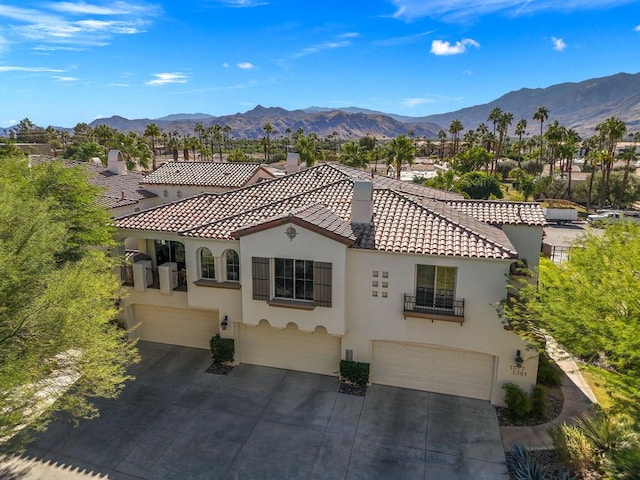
(580, 106)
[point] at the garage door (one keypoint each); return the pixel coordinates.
(421, 367)
(289, 348)
(186, 327)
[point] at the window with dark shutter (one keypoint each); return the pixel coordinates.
(322, 284)
(260, 274)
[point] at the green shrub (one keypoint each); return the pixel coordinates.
(573, 447)
(539, 402)
(607, 434)
(518, 402)
(624, 465)
(354, 372)
(222, 349)
(549, 373)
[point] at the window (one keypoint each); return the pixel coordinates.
(170, 251)
(233, 266)
(207, 264)
(293, 279)
(435, 286)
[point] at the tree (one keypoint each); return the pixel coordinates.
(521, 129)
(444, 180)
(63, 322)
(504, 121)
(629, 155)
(152, 131)
(473, 158)
(528, 184)
(353, 155)
(479, 185)
(541, 115)
(307, 148)
(454, 129)
(610, 133)
(494, 117)
(589, 303)
(399, 151)
(268, 130)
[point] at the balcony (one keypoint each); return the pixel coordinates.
(153, 278)
(126, 275)
(444, 309)
(179, 280)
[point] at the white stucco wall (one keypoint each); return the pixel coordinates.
(527, 240)
(307, 245)
(481, 283)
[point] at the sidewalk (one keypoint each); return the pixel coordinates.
(578, 398)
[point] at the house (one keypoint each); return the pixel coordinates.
(176, 180)
(332, 263)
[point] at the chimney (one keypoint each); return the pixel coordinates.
(362, 203)
(116, 163)
(293, 163)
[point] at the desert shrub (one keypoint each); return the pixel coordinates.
(549, 373)
(539, 402)
(608, 434)
(624, 465)
(354, 372)
(573, 447)
(222, 349)
(503, 167)
(523, 466)
(518, 402)
(531, 167)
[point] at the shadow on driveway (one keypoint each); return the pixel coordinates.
(177, 422)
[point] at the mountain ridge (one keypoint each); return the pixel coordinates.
(578, 105)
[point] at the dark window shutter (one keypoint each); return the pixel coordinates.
(322, 284)
(260, 274)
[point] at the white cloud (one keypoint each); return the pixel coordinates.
(225, 65)
(75, 23)
(466, 10)
(319, 48)
(5, 68)
(414, 102)
(123, 85)
(393, 41)
(558, 44)
(441, 47)
(349, 35)
(166, 78)
(637, 29)
(244, 3)
(246, 65)
(63, 79)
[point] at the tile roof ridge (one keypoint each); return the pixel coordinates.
(164, 205)
(439, 205)
(265, 205)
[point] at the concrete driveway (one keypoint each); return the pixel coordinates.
(177, 422)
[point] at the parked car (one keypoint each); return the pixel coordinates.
(612, 216)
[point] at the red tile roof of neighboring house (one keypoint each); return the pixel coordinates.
(407, 218)
(120, 190)
(502, 213)
(209, 174)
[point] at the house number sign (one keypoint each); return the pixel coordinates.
(518, 371)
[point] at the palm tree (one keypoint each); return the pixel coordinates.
(400, 150)
(199, 130)
(469, 138)
(521, 129)
(569, 149)
(268, 130)
(307, 148)
(353, 155)
(217, 138)
(611, 132)
(152, 131)
(554, 134)
(454, 129)
(494, 117)
(442, 136)
(504, 121)
(541, 115)
(627, 154)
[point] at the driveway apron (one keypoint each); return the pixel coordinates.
(177, 422)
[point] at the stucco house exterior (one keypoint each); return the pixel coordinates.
(332, 263)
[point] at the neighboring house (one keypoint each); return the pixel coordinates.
(177, 180)
(333, 263)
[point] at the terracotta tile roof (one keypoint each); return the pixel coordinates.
(413, 220)
(502, 213)
(210, 174)
(316, 218)
(120, 190)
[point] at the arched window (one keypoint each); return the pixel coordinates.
(207, 264)
(233, 266)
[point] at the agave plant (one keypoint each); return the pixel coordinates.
(524, 466)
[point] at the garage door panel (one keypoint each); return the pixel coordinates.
(175, 326)
(433, 369)
(290, 348)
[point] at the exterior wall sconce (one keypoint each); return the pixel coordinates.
(290, 232)
(519, 360)
(225, 323)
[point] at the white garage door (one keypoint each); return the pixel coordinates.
(421, 367)
(289, 348)
(176, 326)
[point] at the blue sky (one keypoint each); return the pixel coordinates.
(73, 61)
